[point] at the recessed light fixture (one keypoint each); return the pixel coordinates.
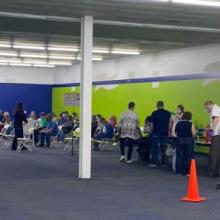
(2, 45)
(19, 64)
(33, 61)
(125, 52)
(9, 53)
(60, 63)
(45, 66)
(8, 60)
(198, 2)
(3, 64)
(33, 55)
(28, 47)
(94, 58)
(100, 50)
(60, 57)
(66, 48)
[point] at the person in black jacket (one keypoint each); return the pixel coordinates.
(185, 132)
(19, 118)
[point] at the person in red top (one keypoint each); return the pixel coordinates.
(113, 121)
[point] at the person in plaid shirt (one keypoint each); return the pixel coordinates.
(128, 128)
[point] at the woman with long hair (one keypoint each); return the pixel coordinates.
(19, 118)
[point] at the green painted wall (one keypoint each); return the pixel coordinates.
(113, 99)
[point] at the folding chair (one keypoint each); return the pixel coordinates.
(54, 139)
(27, 140)
(7, 135)
(73, 141)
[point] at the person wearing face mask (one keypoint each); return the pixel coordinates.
(214, 111)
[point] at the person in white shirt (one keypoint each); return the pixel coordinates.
(214, 111)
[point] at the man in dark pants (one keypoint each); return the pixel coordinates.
(128, 125)
(214, 111)
(160, 120)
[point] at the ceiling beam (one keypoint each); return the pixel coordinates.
(112, 23)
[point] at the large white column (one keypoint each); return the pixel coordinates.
(86, 97)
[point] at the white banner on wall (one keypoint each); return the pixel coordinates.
(71, 99)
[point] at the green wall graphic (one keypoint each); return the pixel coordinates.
(113, 99)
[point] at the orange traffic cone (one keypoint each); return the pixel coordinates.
(193, 189)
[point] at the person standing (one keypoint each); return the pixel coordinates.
(185, 132)
(128, 124)
(214, 111)
(160, 120)
(19, 118)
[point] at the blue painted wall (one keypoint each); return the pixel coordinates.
(35, 97)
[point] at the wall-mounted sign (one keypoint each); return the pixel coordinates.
(71, 99)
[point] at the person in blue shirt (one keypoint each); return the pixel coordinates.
(104, 131)
(50, 130)
(161, 123)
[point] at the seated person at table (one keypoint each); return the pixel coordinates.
(63, 118)
(94, 125)
(67, 127)
(113, 121)
(104, 131)
(144, 143)
(50, 130)
(39, 126)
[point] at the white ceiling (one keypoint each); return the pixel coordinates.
(139, 11)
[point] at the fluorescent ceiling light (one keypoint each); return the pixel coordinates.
(63, 48)
(40, 62)
(94, 58)
(61, 63)
(97, 58)
(100, 50)
(59, 57)
(33, 55)
(5, 45)
(9, 53)
(45, 66)
(125, 52)
(3, 64)
(29, 47)
(198, 2)
(10, 61)
(19, 64)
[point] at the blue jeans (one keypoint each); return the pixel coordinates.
(158, 142)
(46, 136)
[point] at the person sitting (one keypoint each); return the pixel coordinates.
(66, 129)
(104, 131)
(40, 124)
(144, 143)
(50, 130)
(94, 125)
(54, 117)
(185, 132)
(63, 119)
(113, 121)
(6, 118)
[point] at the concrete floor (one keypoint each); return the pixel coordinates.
(43, 185)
